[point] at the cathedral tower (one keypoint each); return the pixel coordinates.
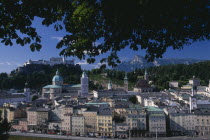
(84, 84)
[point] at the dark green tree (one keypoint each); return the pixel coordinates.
(5, 127)
(34, 98)
(133, 99)
(153, 25)
(119, 119)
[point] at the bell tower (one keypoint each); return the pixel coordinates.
(126, 82)
(84, 84)
(110, 85)
(27, 92)
(146, 76)
(192, 99)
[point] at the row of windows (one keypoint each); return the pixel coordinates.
(157, 120)
(105, 124)
(204, 128)
(203, 123)
(77, 118)
(91, 119)
(66, 128)
(141, 128)
(73, 129)
(158, 128)
(77, 126)
(105, 129)
(104, 120)
(136, 120)
(202, 120)
(137, 124)
(158, 125)
(77, 122)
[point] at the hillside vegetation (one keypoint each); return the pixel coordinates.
(163, 74)
(99, 78)
(37, 79)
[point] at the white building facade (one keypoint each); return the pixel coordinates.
(84, 85)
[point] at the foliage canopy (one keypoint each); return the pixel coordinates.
(153, 25)
(4, 126)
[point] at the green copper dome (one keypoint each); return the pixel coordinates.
(57, 77)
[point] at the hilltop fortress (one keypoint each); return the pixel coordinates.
(27, 66)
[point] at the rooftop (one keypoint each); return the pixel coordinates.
(156, 115)
(52, 86)
(39, 109)
(206, 102)
(202, 111)
(74, 86)
(97, 103)
(92, 109)
(105, 111)
(7, 96)
(152, 108)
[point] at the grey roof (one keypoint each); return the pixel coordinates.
(43, 109)
(92, 109)
(39, 109)
(202, 111)
(174, 110)
(97, 103)
(68, 106)
(32, 109)
(7, 96)
(105, 111)
(80, 106)
(121, 106)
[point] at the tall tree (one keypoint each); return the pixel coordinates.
(5, 127)
(133, 99)
(153, 25)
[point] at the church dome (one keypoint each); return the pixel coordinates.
(142, 83)
(57, 77)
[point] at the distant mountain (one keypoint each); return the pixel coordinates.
(139, 62)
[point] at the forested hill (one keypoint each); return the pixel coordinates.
(37, 79)
(161, 75)
(181, 73)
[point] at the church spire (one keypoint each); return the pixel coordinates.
(126, 77)
(146, 76)
(126, 82)
(57, 72)
(84, 74)
(84, 84)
